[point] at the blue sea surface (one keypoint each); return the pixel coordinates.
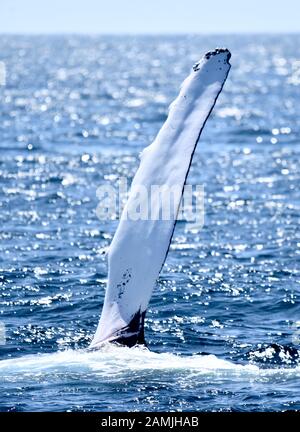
(223, 325)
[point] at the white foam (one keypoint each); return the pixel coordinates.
(113, 361)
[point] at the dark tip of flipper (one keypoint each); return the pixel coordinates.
(213, 53)
(133, 333)
(216, 51)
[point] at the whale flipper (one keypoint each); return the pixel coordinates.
(139, 247)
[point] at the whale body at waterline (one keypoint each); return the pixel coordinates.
(139, 247)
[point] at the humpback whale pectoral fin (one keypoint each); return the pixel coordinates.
(133, 333)
(165, 162)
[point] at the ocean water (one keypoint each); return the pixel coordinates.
(223, 325)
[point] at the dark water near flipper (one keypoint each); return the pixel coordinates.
(74, 114)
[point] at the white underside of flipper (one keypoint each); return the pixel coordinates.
(139, 247)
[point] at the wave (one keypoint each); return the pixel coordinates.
(113, 361)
